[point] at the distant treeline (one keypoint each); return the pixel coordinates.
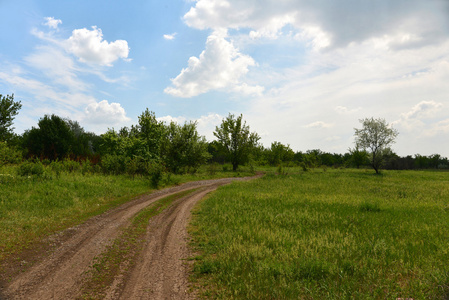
(282, 154)
(155, 145)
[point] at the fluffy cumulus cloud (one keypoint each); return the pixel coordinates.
(89, 47)
(106, 113)
(52, 22)
(220, 66)
(424, 109)
(421, 118)
(170, 36)
(168, 119)
(330, 22)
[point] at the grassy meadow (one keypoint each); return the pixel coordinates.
(325, 234)
(35, 206)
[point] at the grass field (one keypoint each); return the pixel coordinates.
(32, 207)
(335, 234)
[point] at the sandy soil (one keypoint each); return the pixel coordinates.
(161, 271)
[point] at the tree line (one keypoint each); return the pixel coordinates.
(152, 146)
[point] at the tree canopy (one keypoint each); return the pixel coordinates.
(235, 138)
(8, 110)
(375, 136)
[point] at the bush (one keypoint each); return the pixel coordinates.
(113, 164)
(9, 155)
(71, 165)
(31, 168)
(57, 167)
(86, 167)
(156, 171)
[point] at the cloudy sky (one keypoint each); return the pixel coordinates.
(301, 72)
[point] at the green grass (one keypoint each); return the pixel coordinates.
(33, 207)
(335, 234)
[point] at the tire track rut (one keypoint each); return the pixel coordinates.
(159, 273)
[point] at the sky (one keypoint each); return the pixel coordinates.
(303, 73)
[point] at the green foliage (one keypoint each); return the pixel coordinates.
(8, 110)
(339, 234)
(9, 155)
(113, 164)
(29, 168)
(358, 157)
(279, 153)
(236, 140)
(151, 132)
(376, 135)
(52, 139)
(183, 148)
(156, 172)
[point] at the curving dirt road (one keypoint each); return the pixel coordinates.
(161, 271)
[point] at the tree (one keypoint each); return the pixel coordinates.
(376, 136)
(53, 139)
(152, 132)
(358, 157)
(183, 148)
(279, 153)
(8, 110)
(235, 138)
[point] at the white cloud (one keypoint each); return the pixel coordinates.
(424, 109)
(220, 66)
(105, 113)
(344, 110)
(57, 66)
(325, 22)
(168, 119)
(205, 124)
(421, 119)
(89, 47)
(170, 36)
(52, 22)
(319, 124)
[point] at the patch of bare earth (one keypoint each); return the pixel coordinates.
(160, 272)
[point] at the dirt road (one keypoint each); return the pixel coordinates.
(160, 272)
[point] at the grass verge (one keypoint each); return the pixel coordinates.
(120, 256)
(325, 235)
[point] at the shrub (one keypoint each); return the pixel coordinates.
(71, 165)
(155, 172)
(31, 168)
(212, 168)
(9, 155)
(86, 167)
(57, 167)
(113, 164)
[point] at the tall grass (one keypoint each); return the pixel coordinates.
(339, 234)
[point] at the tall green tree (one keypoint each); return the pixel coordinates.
(183, 148)
(8, 110)
(52, 139)
(237, 141)
(152, 132)
(376, 136)
(358, 157)
(279, 153)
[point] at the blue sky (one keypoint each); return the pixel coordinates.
(301, 72)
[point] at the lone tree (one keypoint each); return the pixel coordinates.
(8, 110)
(236, 140)
(376, 136)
